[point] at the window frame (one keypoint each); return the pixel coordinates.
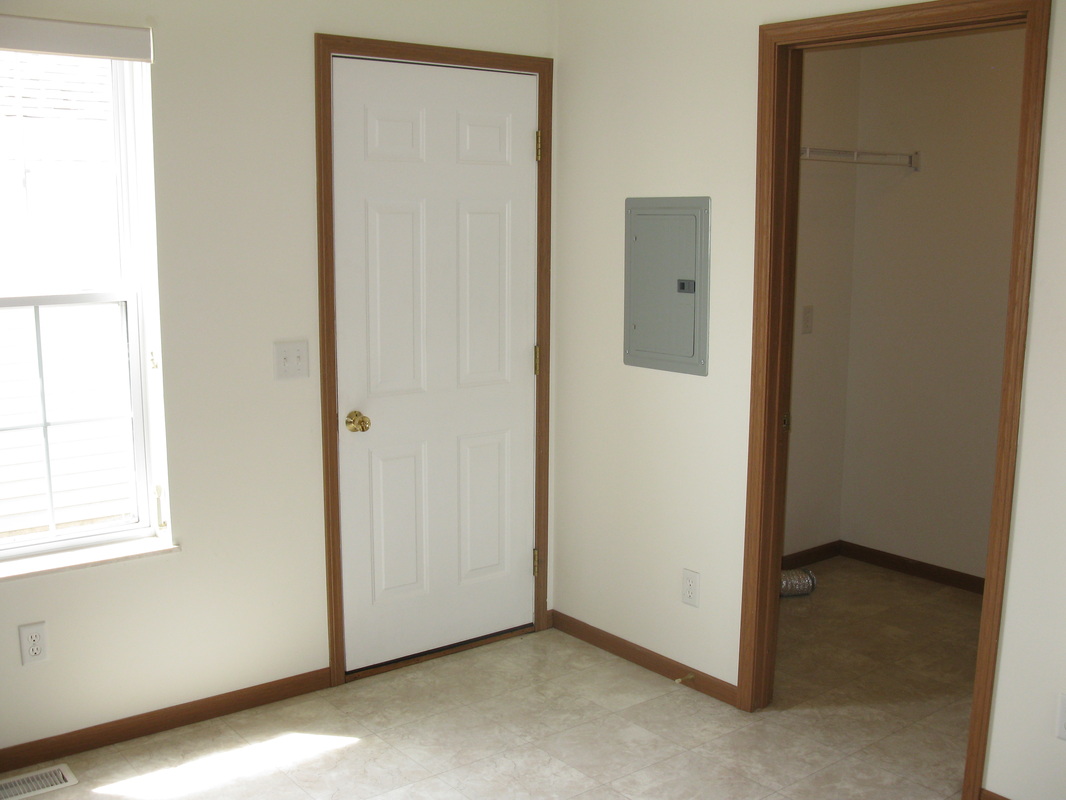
(136, 292)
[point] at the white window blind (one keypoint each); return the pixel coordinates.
(60, 37)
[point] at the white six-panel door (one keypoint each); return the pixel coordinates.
(434, 177)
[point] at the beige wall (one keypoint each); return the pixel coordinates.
(929, 297)
(921, 361)
(654, 97)
(824, 257)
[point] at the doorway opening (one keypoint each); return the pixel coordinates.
(782, 50)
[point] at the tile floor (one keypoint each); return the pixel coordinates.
(874, 681)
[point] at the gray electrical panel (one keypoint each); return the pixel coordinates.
(667, 269)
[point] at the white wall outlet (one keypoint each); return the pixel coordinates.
(33, 642)
(290, 360)
(690, 587)
(1062, 717)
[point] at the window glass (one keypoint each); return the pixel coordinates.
(78, 462)
(58, 174)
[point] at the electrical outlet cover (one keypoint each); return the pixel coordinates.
(690, 588)
(33, 642)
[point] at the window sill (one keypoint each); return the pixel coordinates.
(84, 557)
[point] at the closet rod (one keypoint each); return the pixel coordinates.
(910, 160)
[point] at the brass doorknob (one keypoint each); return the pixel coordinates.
(357, 422)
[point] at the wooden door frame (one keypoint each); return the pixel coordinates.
(781, 48)
(327, 46)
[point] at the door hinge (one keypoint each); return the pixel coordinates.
(538, 145)
(536, 359)
(536, 562)
(786, 422)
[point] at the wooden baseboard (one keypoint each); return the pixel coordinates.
(879, 558)
(987, 795)
(700, 681)
(66, 744)
(811, 556)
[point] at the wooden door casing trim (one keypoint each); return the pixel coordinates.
(326, 46)
(780, 80)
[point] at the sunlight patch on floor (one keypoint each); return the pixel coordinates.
(218, 769)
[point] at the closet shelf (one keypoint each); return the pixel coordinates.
(910, 160)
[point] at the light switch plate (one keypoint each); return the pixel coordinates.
(290, 360)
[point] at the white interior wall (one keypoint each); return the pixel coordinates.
(824, 254)
(650, 465)
(652, 98)
(243, 603)
(922, 278)
(929, 296)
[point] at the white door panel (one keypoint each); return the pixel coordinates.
(435, 253)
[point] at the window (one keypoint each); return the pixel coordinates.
(81, 439)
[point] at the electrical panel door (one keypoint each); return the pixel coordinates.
(666, 277)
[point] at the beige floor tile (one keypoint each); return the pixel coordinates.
(686, 717)
(790, 690)
(525, 773)
(452, 739)
(474, 718)
(878, 639)
(950, 597)
(608, 748)
(616, 685)
(364, 768)
(927, 619)
(229, 773)
(901, 692)
(601, 793)
(689, 776)
(924, 755)
(392, 699)
(879, 579)
(923, 642)
(471, 676)
(540, 710)
(551, 654)
(855, 779)
(274, 787)
(948, 661)
(770, 754)
(953, 720)
(180, 746)
(429, 789)
(819, 661)
(838, 722)
(825, 606)
(847, 600)
(308, 714)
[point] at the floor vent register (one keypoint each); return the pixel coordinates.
(39, 782)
